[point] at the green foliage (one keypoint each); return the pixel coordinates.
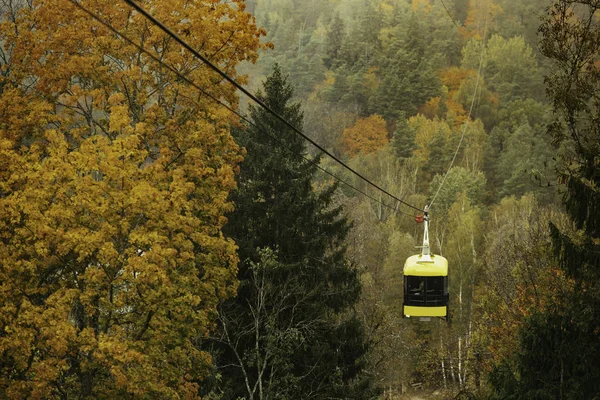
(574, 89)
(351, 59)
(293, 324)
(362, 43)
(521, 18)
(407, 76)
(404, 138)
(524, 163)
(519, 155)
(435, 142)
(298, 32)
(509, 65)
(461, 10)
(305, 342)
(519, 272)
(462, 246)
(397, 175)
(335, 39)
(457, 181)
(326, 124)
(557, 358)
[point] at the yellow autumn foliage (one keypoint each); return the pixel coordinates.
(114, 178)
(424, 5)
(426, 132)
(481, 14)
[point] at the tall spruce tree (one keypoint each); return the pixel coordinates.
(290, 333)
(404, 138)
(560, 346)
(335, 38)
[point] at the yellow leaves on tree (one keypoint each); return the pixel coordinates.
(424, 5)
(366, 136)
(453, 77)
(431, 108)
(448, 107)
(436, 141)
(481, 13)
(427, 131)
(114, 178)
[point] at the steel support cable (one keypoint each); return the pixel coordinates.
(468, 116)
(221, 103)
(174, 36)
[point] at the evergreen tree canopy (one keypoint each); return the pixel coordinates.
(288, 333)
(407, 76)
(404, 138)
(335, 39)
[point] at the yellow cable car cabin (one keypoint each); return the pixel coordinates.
(425, 283)
(426, 287)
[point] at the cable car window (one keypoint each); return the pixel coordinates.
(435, 284)
(415, 284)
(435, 290)
(424, 291)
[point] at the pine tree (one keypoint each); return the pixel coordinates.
(290, 332)
(335, 39)
(404, 138)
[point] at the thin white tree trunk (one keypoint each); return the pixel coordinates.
(452, 369)
(415, 180)
(562, 376)
(460, 381)
(460, 302)
(467, 348)
(443, 361)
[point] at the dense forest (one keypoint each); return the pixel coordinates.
(164, 236)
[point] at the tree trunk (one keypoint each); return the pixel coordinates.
(467, 348)
(460, 381)
(443, 360)
(452, 369)
(460, 303)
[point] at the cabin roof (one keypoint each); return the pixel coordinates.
(438, 266)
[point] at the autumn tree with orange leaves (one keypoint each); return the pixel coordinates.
(114, 177)
(365, 136)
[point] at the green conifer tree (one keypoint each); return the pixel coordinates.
(404, 138)
(335, 39)
(407, 77)
(290, 333)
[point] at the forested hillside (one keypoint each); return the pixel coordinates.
(393, 87)
(162, 235)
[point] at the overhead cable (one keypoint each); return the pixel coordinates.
(229, 108)
(466, 123)
(174, 36)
